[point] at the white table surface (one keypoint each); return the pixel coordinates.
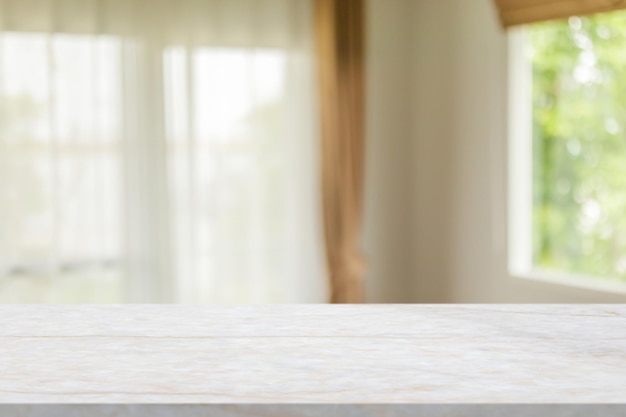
(313, 354)
(315, 410)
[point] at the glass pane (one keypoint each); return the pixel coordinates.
(579, 72)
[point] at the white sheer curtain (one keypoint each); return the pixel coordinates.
(158, 151)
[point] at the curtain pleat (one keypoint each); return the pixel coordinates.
(340, 44)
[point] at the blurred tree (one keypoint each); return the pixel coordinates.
(579, 98)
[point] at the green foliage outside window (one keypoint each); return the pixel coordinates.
(579, 145)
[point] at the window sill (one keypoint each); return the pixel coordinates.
(598, 284)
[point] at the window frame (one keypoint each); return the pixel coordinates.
(519, 182)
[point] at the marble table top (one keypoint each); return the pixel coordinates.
(315, 410)
(371, 354)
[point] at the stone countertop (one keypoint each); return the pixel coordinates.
(370, 354)
(315, 410)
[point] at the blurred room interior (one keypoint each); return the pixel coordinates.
(312, 151)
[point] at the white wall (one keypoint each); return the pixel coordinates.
(459, 161)
(388, 203)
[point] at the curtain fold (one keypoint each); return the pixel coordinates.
(519, 12)
(340, 53)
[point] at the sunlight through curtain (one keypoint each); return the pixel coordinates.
(158, 151)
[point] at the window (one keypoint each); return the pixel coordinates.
(60, 187)
(169, 165)
(568, 155)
